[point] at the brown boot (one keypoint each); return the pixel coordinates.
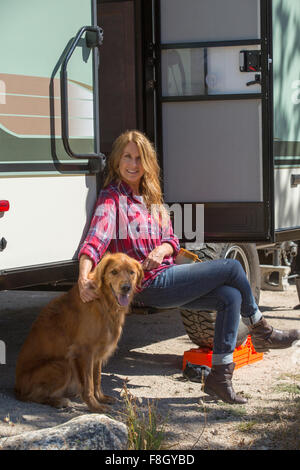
(218, 383)
(265, 337)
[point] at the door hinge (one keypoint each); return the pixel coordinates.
(151, 85)
(270, 61)
(150, 47)
(151, 54)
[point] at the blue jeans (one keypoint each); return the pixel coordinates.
(219, 285)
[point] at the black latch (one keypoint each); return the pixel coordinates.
(3, 244)
(250, 61)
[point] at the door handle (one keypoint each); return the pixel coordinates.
(256, 81)
(94, 38)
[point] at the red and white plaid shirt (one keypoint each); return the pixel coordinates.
(122, 223)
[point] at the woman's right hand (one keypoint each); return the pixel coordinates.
(86, 286)
(87, 290)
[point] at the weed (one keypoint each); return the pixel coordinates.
(292, 389)
(289, 375)
(246, 426)
(8, 420)
(236, 411)
(145, 430)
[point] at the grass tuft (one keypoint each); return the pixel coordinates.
(146, 430)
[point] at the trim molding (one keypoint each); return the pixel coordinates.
(39, 274)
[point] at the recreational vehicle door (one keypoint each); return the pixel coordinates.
(214, 111)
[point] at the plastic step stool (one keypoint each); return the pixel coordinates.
(242, 355)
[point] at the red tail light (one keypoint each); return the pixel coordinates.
(4, 206)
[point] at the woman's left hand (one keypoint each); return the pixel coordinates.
(156, 256)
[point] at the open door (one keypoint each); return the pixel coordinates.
(214, 115)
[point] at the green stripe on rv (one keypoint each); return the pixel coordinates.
(286, 59)
(25, 150)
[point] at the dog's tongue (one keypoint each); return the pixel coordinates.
(123, 300)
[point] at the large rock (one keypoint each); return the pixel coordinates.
(87, 432)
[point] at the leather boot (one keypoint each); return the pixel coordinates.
(265, 337)
(218, 384)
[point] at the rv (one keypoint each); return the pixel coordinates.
(213, 83)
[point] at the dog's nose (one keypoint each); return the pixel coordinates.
(125, 288)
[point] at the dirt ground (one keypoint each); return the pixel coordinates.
(149, 359)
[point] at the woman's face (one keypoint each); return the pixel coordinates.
(130, 166)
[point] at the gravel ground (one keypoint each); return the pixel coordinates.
(149, 360)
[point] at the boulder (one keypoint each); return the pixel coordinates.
(87, 432)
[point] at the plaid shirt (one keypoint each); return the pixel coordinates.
(122, 223)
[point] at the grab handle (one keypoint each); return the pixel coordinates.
(94, 38)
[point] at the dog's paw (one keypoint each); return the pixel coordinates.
(106, 399)
(95, 407)
(59, 402)
(98, 409)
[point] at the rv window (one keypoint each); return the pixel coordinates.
(204, 71)
(231, 20)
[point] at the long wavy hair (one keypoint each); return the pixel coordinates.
(150, 187)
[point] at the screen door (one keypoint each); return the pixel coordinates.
(213, 102)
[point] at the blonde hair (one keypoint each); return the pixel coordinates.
(150, 187)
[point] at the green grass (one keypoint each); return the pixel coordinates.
(292, 389)
(236, 410)
(289, 375)
(247, 426)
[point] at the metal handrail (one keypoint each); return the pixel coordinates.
(91, 42)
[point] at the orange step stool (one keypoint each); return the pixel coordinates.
(242, 355)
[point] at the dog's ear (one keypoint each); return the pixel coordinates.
(98, 273)
(140, 274)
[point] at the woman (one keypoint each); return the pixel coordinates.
(130, 217)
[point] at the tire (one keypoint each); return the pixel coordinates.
(200, 325)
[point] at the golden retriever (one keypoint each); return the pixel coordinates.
(70, 339)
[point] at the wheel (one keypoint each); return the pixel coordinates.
(200, 325)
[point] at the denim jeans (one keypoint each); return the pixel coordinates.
(220, 285)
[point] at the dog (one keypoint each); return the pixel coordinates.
(70, 340)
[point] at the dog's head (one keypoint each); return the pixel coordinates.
(117, 276)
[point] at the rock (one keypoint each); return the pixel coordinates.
(87, 432)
